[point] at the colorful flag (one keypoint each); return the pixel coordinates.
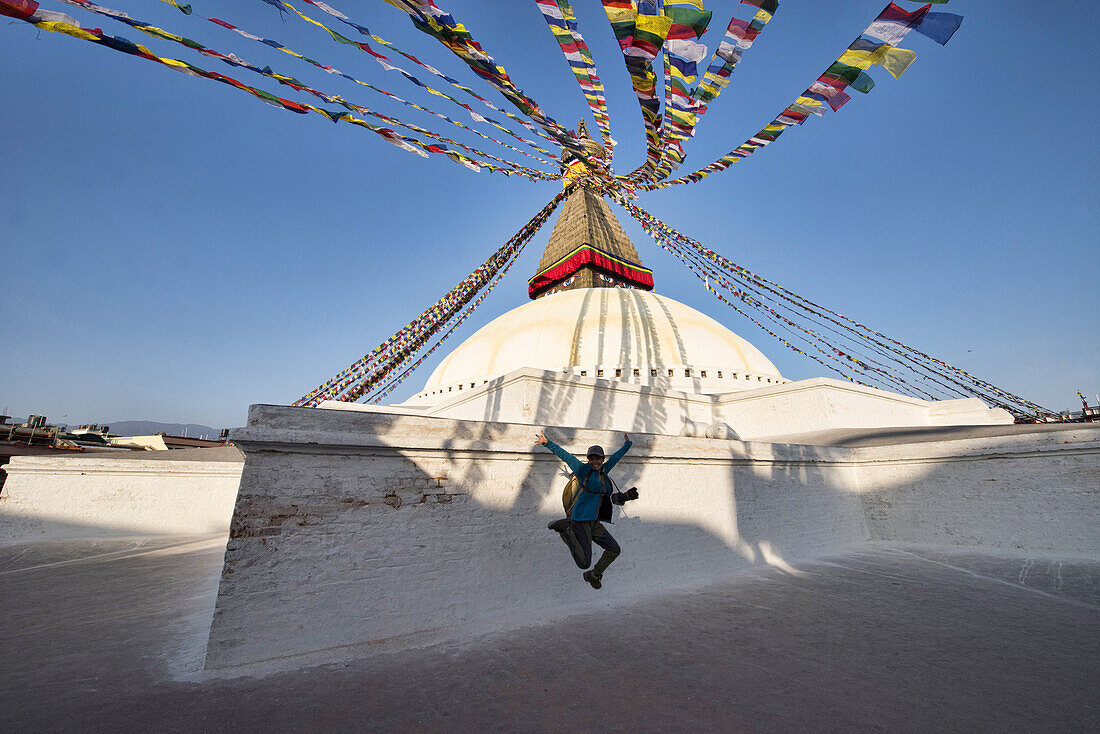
(939, 26)
(21, 9)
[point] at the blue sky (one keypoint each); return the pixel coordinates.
(171, 249)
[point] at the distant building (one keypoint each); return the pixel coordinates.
(36, 436)
(164, 442)
(33, 432)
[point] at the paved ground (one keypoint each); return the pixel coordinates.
(883, 639)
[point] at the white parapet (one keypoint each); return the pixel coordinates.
(752, 407)
(353, 528)
(358, 529)
(364, 529)
(1036, 492)
(185, 492)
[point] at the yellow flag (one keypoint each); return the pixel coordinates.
(616, 15)
(859, 59)
(897, 60)
(658, 25)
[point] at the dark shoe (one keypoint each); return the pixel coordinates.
(559, 526)
(593, 579)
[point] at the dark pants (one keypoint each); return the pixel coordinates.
(579, 535)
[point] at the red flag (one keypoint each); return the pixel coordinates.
(21, 9)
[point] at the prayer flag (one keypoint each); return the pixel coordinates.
(838, 100)
(767, 5)
(893, 24)
(939, 26)
(897, 60)
(21, 9)
(863, 83)
(687, 21)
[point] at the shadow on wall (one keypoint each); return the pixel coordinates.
(335, 546)
(648, 415)
(1043, 500)
(363, 528)
(555, 399)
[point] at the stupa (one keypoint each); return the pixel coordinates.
(594, 314)
(597, 348)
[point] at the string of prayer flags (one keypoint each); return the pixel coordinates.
(429, 18)
(559, 16)
(685, 105)
(891, 359)
(66, 25)
(668, 236)
(887, 348)
(875, 46)
(683, 52)
(867, 367)
(233, 60)
(739, 37)
(453, 82)
(454, 324)
(388, 64)
(662, 236)
(641, 29)
(374, 366)
(332, 70)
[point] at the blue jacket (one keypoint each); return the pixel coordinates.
(593, 491)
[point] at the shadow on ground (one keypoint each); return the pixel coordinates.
(883, 638)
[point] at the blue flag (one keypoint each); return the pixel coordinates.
(939, 26)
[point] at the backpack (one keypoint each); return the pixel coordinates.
(573, 488)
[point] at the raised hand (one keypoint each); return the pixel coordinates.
(540, 437)
(626, 437)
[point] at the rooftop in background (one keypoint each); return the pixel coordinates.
(37, 433)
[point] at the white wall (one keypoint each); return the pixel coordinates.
(823, 403)
(1039, 492)
(559, 399)
(358, 528)
(50, 497)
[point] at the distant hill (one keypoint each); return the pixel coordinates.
(145, 428)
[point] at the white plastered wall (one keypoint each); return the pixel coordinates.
(354, 531)
(359, 529)
(97, 496)
(356, 528)
(561, 399)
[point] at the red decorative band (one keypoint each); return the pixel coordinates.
(587, 254)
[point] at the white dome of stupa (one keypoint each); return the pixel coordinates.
(610, 333)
